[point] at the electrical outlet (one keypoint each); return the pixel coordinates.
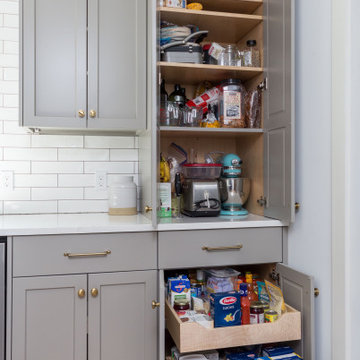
(101, 180)
(7, 180)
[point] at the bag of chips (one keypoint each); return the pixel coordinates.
(277, 302)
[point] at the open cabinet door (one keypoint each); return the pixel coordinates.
(298, 290)
(148, 139)
(279, 159)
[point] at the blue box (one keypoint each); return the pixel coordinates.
(225, 309)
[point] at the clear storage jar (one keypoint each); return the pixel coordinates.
(251, 54)
(122, 197)
(230, 56)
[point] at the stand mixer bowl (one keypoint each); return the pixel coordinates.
(234, 193)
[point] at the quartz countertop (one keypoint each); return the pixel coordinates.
(17, 225)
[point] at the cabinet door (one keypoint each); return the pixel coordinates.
(279, 159)
(122, 323)
(53, 63)
(117, 64)
(298, 290)
(49, 318)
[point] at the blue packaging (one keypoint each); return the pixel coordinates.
(278, 351)
(225, 309)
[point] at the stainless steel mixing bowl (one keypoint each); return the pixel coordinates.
(234, 192)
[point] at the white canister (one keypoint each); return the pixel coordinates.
(122, 197)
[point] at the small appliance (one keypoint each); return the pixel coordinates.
(200, 190)
(234, 190)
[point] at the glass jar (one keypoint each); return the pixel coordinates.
(122, 197)
(257, 313)
(230, 56)
(232, 104)
(251, 54)
(181, 305)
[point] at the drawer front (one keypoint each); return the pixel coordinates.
(61, 254)
(219, 247)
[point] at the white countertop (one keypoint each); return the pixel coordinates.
(12, 225)
(17, 225)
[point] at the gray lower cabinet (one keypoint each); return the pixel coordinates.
(77, 317)
(83, 64)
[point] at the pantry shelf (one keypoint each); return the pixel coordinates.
(232, 6)
(193, 74)
(222, 26)
(198, 131)
(190, 336)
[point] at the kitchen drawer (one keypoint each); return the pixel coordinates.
(45, 255)
(219, 247)
(194, 337)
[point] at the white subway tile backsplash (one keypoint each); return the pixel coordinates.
(30, 207)
(22, 167)
(34, 180)
(30, 154)
(78, 180)
(52, 173)
(109, 167)
(47, 167)
(119, 142)
(16, 194)
(82, 206)
(57, 141)
(83, 154)
(124, 155)
(57, 194)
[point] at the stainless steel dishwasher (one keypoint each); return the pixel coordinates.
(2, 296)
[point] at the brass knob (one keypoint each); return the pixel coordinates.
(297, 206)
(94, 292)
(92, 113)
(81, 293)
(316, 292)
(81, 113)
(148, 208)
(155, 304)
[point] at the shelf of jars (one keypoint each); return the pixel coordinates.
(203, 132)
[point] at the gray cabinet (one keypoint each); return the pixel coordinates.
(84, 64)
(49, 318)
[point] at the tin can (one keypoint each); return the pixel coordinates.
(195, 290)
(256, 313)
(271, 316)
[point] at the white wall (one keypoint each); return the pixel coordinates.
(310, 236)
(51, 173)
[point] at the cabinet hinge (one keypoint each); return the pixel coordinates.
(264, 84)
(34, 131)
(262, 201)
(275, 275)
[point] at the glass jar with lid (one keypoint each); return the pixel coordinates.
(122, 197)
(251, 54)
(232, 104)
(230, 56)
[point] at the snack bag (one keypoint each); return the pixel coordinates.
(277, 302)
(262, 292)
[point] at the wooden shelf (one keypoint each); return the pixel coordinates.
(190, 337)
(193, 74)
(232, 6)
(204, 132)
(222, 26)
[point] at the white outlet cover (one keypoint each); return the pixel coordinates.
(7, 180)
(101, 180)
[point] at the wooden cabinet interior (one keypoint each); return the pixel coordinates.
(232, 22)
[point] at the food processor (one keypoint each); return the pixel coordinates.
(234, 190)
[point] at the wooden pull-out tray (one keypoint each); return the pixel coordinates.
(190, 337)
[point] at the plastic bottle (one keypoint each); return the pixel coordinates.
(250, 287)
(245, 304)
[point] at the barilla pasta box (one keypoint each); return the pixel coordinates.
(281, 352)
(179, 289)
(225, 309)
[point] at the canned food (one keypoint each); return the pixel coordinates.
(195, 290)
(256, 312)
(271, 316)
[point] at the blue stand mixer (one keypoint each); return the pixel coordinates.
(234, 190)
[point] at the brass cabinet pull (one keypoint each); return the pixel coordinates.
(222, 248)
(81, 293)
(316, 292)
(148, 208)
(81, 113)
(94, 292)
(74, 255)
(155, 304)
(92, 113)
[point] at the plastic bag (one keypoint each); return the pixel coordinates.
(277, 302)
(253, 109)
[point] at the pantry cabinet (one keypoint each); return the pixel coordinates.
(99, 312)
(83, 64)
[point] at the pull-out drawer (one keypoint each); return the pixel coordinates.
(65, 254)
(179, 249)
(190, 336)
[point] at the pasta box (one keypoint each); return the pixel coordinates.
(225, 309)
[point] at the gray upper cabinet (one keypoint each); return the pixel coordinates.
(53, 63)
(117, 64)
(84, 64)
(279, 154)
